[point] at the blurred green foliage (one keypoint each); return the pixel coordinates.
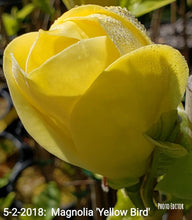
(7, 201)
(189, 3)
(124, 203)
(72, 3)
(137, 7)
(13, 21)
(49, 198)
(178, 181)
(141, 7)
(45, 6)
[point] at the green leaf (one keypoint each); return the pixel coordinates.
(7, 201)
(183, 137)
(14, 11)
(163, 135)
(141, 7)
(11, 24)
(25, 11)
(169, 149)
(172, 127)
(168, 153)
(172, 144)
(162, 130)
(178, 180)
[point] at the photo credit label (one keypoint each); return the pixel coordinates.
(170, 206)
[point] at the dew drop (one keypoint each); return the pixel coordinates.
(126, 39)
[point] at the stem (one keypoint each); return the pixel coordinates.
(173, 12)
(135, 196)
(142, 195)
(155, 24)
(148, 186)
(188, 107)
(184, 33)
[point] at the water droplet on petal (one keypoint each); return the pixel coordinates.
(124, 29)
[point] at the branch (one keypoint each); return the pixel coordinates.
(188, 106)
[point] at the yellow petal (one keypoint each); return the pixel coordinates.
(89, 26)
(42, 128)
(123, 29)
(108, 122)
(73, 70)
(21, 46)
(65, 77)
(47, 44)
(69, 29)
(54, 88)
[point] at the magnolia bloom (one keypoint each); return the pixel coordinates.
(90, 87)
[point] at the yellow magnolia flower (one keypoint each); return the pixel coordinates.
(89, 88)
